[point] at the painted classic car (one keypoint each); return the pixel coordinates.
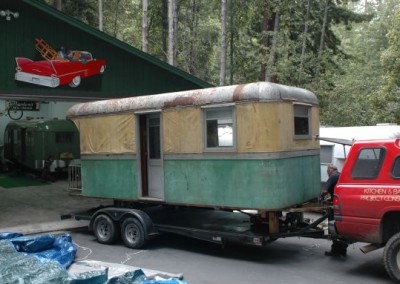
(69, 69)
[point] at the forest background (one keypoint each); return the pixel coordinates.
(346, 52)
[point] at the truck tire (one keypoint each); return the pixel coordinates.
(391, 257)
(105, 229)
(132, 233)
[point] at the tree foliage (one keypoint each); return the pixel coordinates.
(336, 48)
(386, 100)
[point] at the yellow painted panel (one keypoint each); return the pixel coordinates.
(112, 134)
(301, 144)
(182, 130)
(268, 127)
(258, 127)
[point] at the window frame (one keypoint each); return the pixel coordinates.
(309, 122)
(206, 109)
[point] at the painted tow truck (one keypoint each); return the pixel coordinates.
(367, 200)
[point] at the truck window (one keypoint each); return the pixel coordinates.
(368, 163)
(301, 121)
(219, 128)
(396, 168)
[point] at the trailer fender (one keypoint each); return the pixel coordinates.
(120, 214)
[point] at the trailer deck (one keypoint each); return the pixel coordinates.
(218, 226)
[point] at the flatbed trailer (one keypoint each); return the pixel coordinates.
(138, 225)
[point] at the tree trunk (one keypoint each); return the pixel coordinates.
(171, 32)
(223, 44)
(175, 33)
(164, 12)
(116, 18)
(57, 4)
(145, 26)
(100, 15)
(232, 32)
(271, 61)
(193, 39)
(264, 39)
(303, 48)
(321, 42)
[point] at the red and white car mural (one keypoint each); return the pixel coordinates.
(61, 71)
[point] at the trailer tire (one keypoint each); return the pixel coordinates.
(105, 229)
(391, 257)
(132, 233)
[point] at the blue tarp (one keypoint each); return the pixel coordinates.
(45, 258)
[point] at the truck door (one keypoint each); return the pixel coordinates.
(151, 156)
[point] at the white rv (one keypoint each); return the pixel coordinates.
(335, 153)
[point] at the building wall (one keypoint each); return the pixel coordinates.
(129, 71)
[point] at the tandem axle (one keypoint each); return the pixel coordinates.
(137, 226)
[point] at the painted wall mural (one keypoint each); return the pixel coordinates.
(58, 68)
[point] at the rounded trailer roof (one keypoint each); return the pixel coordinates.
(259, 91)
(43, 125)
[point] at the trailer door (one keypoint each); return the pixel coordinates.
(151, 156)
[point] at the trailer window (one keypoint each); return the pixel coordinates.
(64, 137)
(396, 168)
(368, 163)
(301, 121)
(219, 131)
(326, 154)
(29, 138)
(154, 138)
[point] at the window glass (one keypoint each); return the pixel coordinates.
(368, 163)
(301, 121)
(64, 137)
(154, 138)
(326, 154)
(219, 128)
(29, 138)
(396, 168)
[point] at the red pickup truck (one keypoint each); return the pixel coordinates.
(367, 200)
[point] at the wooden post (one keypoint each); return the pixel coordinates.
(273, 222)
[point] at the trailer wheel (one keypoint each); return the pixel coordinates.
(105, 229)
(391, 257)
(132, 233)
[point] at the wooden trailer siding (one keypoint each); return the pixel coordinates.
(268, 127)
(261, 127)
(107, 134)
(182, 130)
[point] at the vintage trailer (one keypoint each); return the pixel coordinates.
(246, 146)
(29, 143)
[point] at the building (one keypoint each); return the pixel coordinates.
(51, 61)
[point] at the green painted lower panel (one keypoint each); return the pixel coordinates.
(258, 184)
(109, 178)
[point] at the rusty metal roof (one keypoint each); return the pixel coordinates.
(258, 91)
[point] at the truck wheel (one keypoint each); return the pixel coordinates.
(391, 257)
(132, 233)
(105, 229)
